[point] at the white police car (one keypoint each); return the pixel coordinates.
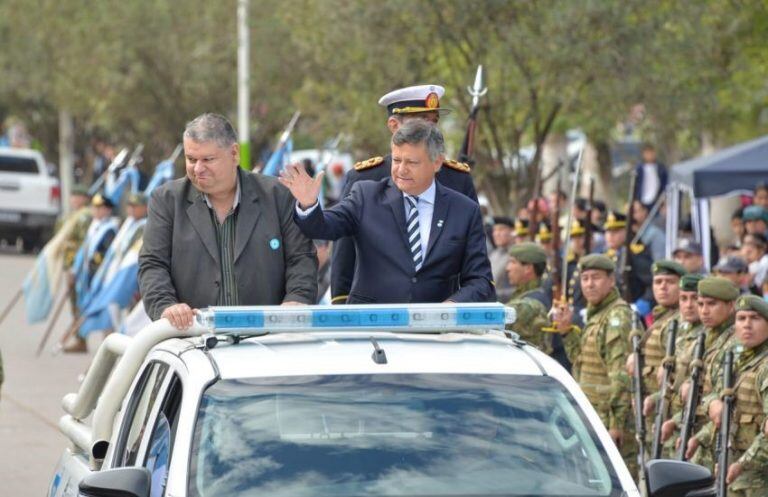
(416, 400)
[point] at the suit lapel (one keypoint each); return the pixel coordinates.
(247, 215)
(394, 200)
(200, 217)
(439, 216)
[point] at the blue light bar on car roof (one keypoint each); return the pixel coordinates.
(391, 317)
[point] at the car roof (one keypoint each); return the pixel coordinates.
(324, 353)
(20, 152)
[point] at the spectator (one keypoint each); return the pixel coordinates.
(735, 269)
(756, 219)
(754, 248)
(737, 223)
(651, 177)
(221, 235)
(652, 237)
(761, 195)
(688, 253)
(499, 256)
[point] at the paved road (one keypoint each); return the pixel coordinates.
(30, 442)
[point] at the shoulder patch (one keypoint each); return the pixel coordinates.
(637, 248)
(456, 165)
(367, 164)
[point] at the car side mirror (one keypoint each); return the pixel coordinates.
(120, 482)
(670, 478)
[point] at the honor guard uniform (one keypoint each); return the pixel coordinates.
(525, 268)
(748, 446)
(421, 101)
(599, 353)
(522, 233)
(719, 338)
(639, 260)
(573, 292)
(79, 230)
(688, 330)
(654, 342)
(100, 234)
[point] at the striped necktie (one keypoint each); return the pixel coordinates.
(414, 234)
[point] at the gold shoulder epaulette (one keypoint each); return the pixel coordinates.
(458, 166)
(636, 248)
(367, 164)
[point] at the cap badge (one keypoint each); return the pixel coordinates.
(431, 102)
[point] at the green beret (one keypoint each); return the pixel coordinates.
(752, 303)
(718, 288)
(668, 266)
(528, 253)
(597, 261)
(690, 282)
(137, 199)
(78, 189)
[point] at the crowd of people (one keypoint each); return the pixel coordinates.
(409, 228)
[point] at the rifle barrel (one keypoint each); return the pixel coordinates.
(661, 404)
(689, 414)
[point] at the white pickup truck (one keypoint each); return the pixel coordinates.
(30, 199)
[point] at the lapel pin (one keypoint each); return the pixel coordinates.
(439, 223)
(274, 244)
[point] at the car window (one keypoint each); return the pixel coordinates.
(396, 435)
(138, 412)
(22, 165)
(158, 456)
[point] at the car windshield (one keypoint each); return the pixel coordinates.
(395, 435)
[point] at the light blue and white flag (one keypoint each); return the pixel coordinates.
(279, 159)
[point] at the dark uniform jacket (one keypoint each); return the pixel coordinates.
(455, 267)
(453, 175)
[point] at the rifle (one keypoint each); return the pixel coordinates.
(721, 448)
(694, 394)
(476, 91)
(588, 222)
(625, 268)
(637, 391)
(661, 405)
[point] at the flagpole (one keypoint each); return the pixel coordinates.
(243, 76)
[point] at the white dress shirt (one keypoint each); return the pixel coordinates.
(426, 207)
(651, 184)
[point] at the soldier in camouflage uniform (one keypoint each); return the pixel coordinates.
(526, 265)
(688, 329)
(666, 290)
(746, 474)
(599, 352)
(81, 211)
(716, 300)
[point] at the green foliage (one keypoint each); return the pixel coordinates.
(138, 70)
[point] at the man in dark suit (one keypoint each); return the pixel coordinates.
(416, 240)
(413, 102)
(221, 236)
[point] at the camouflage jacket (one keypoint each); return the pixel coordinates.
(528, 300)
(599, 354)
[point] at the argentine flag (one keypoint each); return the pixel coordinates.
(114, 189)
(41, 283)
(279, 158)
(163, 172)
(115, 295)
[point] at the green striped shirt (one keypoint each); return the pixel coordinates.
(225, 239)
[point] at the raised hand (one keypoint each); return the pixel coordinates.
(303, 187)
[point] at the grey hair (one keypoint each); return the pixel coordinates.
(417, 132)
(211, 127)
